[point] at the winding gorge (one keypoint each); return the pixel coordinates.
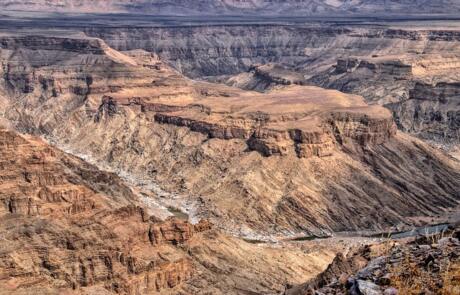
(238, 154)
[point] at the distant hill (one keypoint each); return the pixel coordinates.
(266, 7)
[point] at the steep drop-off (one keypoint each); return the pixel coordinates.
(299, 159)
(66, 225)
(383, 64)
(421, 91)
(69, 228)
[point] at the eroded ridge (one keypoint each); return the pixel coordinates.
(70, 226)
(294, 159)
(307, 121)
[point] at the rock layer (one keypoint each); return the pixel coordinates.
(414, 91)
(67, 225)
(383, 64)
(298, 159)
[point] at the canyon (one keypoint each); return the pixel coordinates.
(178, 155)
(403, 69)
(226, 158)
(69, 228)
(402, 65)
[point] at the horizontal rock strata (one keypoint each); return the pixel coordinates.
(293, 159)
(67, 225)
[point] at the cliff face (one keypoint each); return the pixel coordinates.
(263, 160)
(422, 93)
(381, 64)
(431, 111)
(228, 49)
(216, 50)
(66, 225)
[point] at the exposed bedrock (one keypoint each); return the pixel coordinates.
(381, 64)
(440, 92)
(67, 225)
(422, 93)
(339, 128)
(296, 159)
(362, 129)
(432, 111)
(218, 50)
(386, 67)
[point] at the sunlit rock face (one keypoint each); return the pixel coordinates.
(299, 156)
(384, 65)
(271, 159)
(67, 225)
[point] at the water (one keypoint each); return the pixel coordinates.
(308, 238)
(421, 231)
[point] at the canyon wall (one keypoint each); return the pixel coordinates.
(263, 167)
(68, 227)
(199, 51)
(381, 64)
(422, 93)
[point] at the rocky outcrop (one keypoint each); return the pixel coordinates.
(362, 129)
(379, 80)
(265, 77)
(267, 142)
(427, 264)
(296, 159)
(385, 67)
(41, 187)
(208, 128)
(431, 111)
(440, 92)
(83, 45)
(339, 128)
(423, 108)
(68, 226)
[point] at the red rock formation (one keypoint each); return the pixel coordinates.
(67, 225)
